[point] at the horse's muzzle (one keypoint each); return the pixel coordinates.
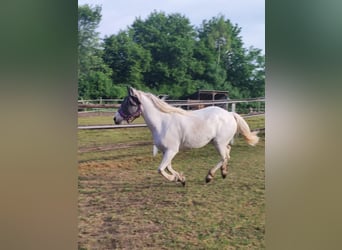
(115, 121)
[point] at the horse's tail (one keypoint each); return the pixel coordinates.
(242, 126)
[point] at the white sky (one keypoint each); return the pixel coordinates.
(249, 15)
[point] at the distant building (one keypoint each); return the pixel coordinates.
(212, 95)
(208, 95)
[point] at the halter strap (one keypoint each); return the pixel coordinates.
(130, 117)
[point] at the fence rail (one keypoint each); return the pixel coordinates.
(139, 125)
(189, 104)
(97, 105)
(177, 103)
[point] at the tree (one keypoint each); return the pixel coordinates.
(170, 40)
(165, 54)
(228, 65)
(214, 40)
(127, 59)
(93, 74)
(216, 35)
(245, 69)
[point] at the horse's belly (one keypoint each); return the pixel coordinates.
(197, 133)
(195, 141)
(194, 145)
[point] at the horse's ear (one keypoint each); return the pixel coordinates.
(131, 91)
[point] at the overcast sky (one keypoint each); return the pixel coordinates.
(249, 15)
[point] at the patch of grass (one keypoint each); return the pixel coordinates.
(125, 204)
(95, 120)
(112, 136)
(255, 121)
(101, 119)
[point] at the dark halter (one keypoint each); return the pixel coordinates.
(130, 117)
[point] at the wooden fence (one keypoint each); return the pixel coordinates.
(231, 103)
(186, 104)
(140, 125)
(104, 104)
(227, 104)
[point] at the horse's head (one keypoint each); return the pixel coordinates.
(129, 109)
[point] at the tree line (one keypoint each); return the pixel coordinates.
(166, 54)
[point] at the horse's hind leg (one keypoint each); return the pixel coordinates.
(224, 167)
(212, 171)
(222, 149)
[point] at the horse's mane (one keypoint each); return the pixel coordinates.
(163, 106)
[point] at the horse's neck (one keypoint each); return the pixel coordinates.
(152, 115)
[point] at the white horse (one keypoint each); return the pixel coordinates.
(174, 129)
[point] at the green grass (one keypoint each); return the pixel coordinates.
(125, 204)
(101, 119)
(255, 122)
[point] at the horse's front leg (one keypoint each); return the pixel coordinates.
(166, 162)
(180, 176)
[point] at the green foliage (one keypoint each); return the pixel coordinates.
(128, 60)
(93, 74)
(170, 40)
(245, 68)
(217, 36)
(166, 54)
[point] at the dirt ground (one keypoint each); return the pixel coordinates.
(110, 194)
(125, 204)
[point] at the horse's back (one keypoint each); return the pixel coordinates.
(214, 112)
(223, 122)
(209, 124)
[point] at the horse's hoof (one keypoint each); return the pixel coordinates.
(224, 173)
(209, 177)
(181, 179)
